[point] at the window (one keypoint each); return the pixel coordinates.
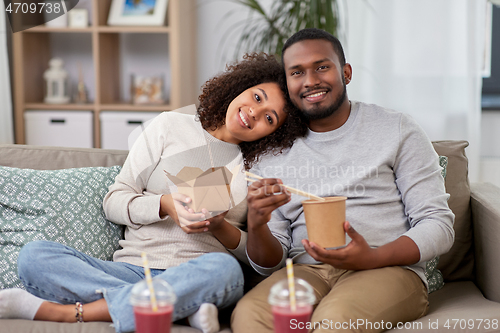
(491, 85)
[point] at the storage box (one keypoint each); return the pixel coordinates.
(117, 128)
(59, 128)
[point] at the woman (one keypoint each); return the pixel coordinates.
(243, 114)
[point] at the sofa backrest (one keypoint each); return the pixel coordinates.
(458, 263)
(53, 158)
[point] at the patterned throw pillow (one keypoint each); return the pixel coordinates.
(64, 206)
(434, 275)
(443, 163)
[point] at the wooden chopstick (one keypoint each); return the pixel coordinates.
(252, 177)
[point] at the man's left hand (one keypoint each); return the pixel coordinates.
(357, 255)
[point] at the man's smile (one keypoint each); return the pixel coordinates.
(315, 96)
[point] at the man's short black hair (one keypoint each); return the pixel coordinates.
(314, 33)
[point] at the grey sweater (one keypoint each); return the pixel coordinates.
(170, 142)
(384, 163)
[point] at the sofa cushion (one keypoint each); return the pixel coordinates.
(64, 206)
(32, 326)
(458, 307)
(458, 263)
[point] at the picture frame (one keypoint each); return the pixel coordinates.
(138, 12)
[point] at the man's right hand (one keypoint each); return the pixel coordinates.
(263, 197)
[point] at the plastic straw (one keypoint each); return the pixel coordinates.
(291, 283)
(149, 281)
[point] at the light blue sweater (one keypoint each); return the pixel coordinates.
(384, 163)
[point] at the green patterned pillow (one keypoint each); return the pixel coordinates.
(64, 206)
(443, 163)
(433, 275)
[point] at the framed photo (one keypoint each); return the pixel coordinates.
(138, 12)
(147, 90)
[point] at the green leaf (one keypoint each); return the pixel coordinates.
(268, 31)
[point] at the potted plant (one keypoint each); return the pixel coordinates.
(267, 31)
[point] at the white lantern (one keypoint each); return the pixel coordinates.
(55, 78)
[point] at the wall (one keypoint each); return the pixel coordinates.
(213, 24)
(490, 147)
(6, 130)
(215, 46)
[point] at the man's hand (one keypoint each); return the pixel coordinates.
(358, 255)
(263, 197)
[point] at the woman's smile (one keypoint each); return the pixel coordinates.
(244, 119)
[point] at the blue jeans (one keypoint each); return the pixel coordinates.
(61, 274)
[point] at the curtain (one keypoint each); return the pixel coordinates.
(423, 58)
(6, 123)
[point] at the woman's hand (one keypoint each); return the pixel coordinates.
(175, 205)
(214, 224)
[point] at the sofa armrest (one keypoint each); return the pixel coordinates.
(485, 204)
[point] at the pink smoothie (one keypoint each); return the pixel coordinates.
(287, 321)
(147, 321)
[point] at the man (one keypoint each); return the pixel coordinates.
(397, 212)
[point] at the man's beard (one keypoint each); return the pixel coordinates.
(321, 113)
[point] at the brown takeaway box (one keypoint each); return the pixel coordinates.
(208, 189)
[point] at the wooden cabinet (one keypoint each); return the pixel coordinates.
(102, 48)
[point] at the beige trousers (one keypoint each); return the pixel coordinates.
(346, 301)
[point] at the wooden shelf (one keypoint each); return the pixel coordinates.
(104, 29)
(134, 30)
(45, 106)
(43, 29)
(105, 51)
(134, 107)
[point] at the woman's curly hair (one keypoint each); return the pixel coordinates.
(219, 92)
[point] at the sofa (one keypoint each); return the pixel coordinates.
(468, 302)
